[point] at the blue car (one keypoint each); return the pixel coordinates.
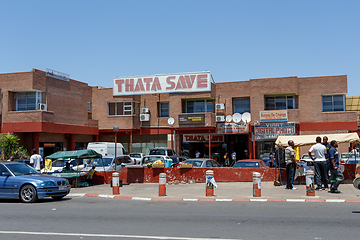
(20, 181)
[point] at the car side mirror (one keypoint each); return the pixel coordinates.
(5, 174)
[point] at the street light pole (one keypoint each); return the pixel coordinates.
(116, 129)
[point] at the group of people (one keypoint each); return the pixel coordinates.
(325, 157)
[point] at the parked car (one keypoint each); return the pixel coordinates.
(202, 162)
(265, 157)
(306, 158)
(19, 180)
(107, 163)
(162, 151)
(152, 158)
(27, 161)
(250, 163)
(178, 159)
(58, 165)
(349, 158)
(136, 158)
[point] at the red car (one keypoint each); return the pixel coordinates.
(250, 163)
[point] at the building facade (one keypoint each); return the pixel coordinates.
(186, 111)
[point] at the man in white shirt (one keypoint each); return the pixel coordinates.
(319, 159)
(36, 160)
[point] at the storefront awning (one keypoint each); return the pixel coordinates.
(301, 140)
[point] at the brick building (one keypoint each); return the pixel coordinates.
(182, 111)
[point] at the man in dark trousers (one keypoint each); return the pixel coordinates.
(291, 165)
(318, 154)
(336, 175)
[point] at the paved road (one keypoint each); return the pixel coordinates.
(101, 218)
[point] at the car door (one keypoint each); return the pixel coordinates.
(6, 183)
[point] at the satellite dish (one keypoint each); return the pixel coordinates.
(237, 117)
(171, 121)
(246, 117)
(228, 118)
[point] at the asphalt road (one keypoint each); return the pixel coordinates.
(99, 218)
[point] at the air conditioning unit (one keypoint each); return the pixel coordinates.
(144, 117)
(219, 106)
(145, 110)
(220, 118)
(42, 106)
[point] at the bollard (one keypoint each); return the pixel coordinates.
(162, 184)
(209, 185)
(115, 183)
(256, 184)
(310, 188)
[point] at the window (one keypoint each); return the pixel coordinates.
(164, 109)
(196, 106)
(241, 105)
(27, 101)
(333, 103)
(123, 109)
(89, 106)
(279, 102)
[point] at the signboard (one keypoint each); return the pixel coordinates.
(203, 137)
(273, 116)
(273, 130)
(58, 75)
(232, 128)
(191, 119)
(165, 83)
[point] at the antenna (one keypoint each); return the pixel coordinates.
(246, 117)
(236, 117)
(229, 118)
(171, 121)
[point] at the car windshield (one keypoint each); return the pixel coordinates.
(157, 152)
(19, 169)
(98, 162)
(344, 155)
(135, 155)
(59, 163)
(246, 165)
(305, 156)
(195, 163)
(152, 159)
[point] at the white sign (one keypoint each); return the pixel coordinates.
(169, 83)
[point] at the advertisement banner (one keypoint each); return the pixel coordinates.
(274, 116)
(203, 137)
(273, 130)
(162, 83)
(232, 128)
(191, 119)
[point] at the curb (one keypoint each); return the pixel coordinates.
(293, 200)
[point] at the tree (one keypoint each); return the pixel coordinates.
(9, 145)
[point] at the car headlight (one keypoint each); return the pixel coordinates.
(46, 184)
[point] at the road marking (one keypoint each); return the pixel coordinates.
(76, 194)
(142, 199)
(190, 199)
(295, 200)
(335, 200)
(106, 196)
(223, 200)
(258, 200)
(109, 235)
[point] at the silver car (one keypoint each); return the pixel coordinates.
(107, 163)
(203, 162)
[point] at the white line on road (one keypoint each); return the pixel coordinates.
(109, 235)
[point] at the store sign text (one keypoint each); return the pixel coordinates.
(232, 128)
(202, 138)
(273, 130)
(273, 116)
(187, 82)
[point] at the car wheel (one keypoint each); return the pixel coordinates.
(28, 194)
(58, 198)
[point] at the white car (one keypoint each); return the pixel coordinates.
(107, 163)
(59, 164)
(136, 158)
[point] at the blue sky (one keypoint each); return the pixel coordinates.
(95, 41)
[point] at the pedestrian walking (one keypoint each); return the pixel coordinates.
(227, 159)
(319, 159)
(290, 165)
(233, 157)
(36, 160)
(336, 175)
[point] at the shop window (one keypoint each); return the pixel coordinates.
(241, 105)
(279, 102)
(164, 109)
(333, 103)
(27, 101)
(197, 106)
(123, 108)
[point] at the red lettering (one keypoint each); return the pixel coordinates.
(129, 85)
(171, 83)
(147, 82)
(119, 83)
(156, 85)
(190, 80)
(181, 83)
(202, 81)
(139, 86)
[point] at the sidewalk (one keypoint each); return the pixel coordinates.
(229, 191)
